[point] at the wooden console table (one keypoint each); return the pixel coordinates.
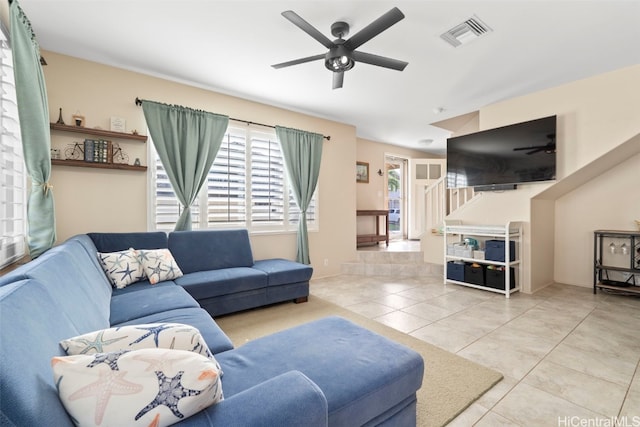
(363, 239)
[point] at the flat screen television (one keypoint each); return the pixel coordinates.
(502, 157)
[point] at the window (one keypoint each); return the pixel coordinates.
(247, 186)
(13, 174)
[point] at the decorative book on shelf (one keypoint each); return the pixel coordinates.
(98, 151)
(101, 151)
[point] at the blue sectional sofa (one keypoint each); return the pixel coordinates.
(219, 269)
(327, 372)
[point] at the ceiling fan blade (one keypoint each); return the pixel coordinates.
(533, 147)
(308, 28)
(375, 28)
(338, 78)
(299, 61)
(380, 61)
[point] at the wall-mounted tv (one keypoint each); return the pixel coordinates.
(501, 157)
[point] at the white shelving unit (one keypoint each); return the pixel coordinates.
(511, 231)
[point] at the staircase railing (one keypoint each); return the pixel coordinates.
(441, 201)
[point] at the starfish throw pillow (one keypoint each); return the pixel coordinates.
(144, 387)
(159, 265)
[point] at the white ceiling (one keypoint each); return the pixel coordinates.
(228, 46)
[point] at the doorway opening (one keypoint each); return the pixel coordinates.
(396, 179)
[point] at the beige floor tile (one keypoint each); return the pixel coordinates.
(529, 406)
(467, 321)
(594, 363)
(448, 338)
(370, 309)
(535, 343)
(582, 389)
(455, 301)
(469, 416)
(544, 322)
(393, 287)
(402, 321)
(428, 311)
(631, 408)
(497, 392)
(492, 419)
(619, 343)
(425, 292)
(499, 355)
(396, 301)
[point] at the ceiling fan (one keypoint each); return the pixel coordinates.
(549, 147)
(342, 54)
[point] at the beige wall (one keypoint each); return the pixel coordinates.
(372, 195)
(594, 116)
(609, 202)
(109, 200)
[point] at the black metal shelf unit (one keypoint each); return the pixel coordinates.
(618, 251)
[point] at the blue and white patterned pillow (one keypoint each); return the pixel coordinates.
(159, 265)
(122, 268)
(144, 387)
(175, 336)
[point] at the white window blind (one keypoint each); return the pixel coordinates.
(267, 181)
(13, 173)
(247, 186)
(227, 182)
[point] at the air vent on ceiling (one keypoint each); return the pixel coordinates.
(463, 33)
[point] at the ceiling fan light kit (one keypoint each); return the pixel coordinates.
(342, 54)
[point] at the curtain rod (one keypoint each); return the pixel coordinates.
(327, 137)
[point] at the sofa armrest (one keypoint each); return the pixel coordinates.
(290, 399)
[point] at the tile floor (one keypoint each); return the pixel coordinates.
(569, 358)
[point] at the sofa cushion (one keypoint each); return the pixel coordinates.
(212, 283)
(31, 326)
(142, 299)
(142, 387)
(158, 265)
(76, 286)
(174, 336)
(215, 249)
(90, 249)
(113, 242)
(122, 268)
(216, 339)
(358, 388)
(290, 399)
(282, 271)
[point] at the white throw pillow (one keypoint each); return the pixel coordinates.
(122, 268)
(175, 336)
(159, 265)
(142, 387)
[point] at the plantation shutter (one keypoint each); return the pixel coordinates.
(227, 182)
(13, 173)
(167, 205)
(267, 181)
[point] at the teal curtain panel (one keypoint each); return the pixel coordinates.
(187, 142)
(302, 152)
(33, 111)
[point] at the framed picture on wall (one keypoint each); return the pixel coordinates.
(362, 172)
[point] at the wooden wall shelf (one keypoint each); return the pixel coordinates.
(96, 165)
(97, 132)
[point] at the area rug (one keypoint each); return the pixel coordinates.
(451, 383)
